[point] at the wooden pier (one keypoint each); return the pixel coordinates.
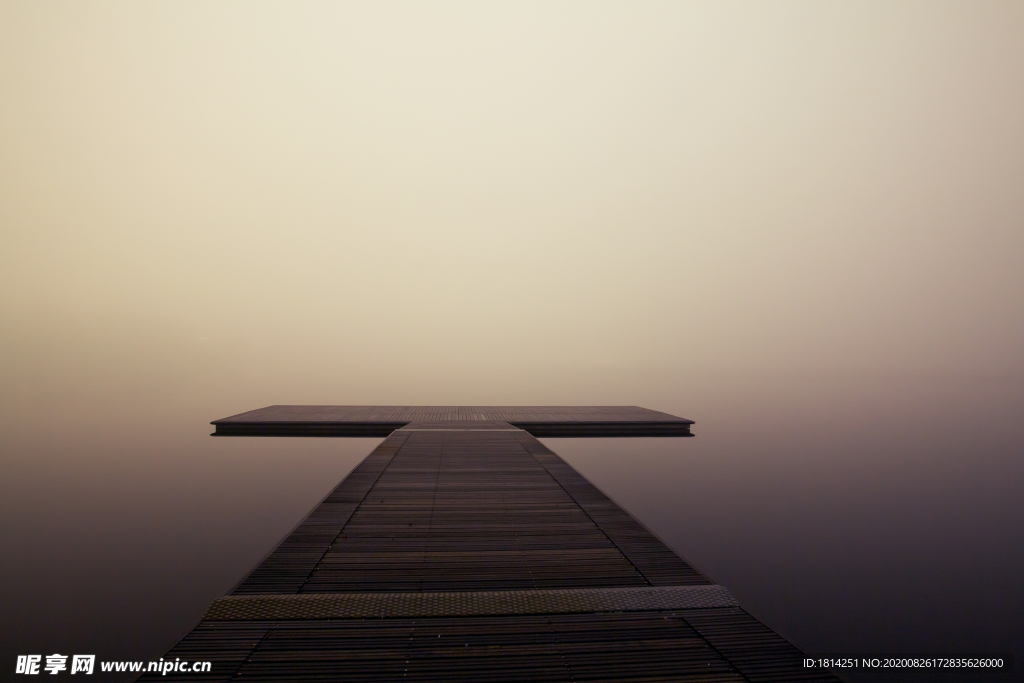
(463, 549)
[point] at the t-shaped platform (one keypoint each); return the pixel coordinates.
(463, 549)
(540, 421)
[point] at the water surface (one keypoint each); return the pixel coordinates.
(851, 515)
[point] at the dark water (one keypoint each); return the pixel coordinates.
(851, 515)
(869, 530)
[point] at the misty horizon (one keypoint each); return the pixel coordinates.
(798, 224)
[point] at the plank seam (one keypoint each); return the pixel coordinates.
(583, 509)
(352, 514)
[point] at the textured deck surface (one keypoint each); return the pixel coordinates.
(471, 552)
(539, 421)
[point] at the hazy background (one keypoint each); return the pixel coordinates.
(800, 224)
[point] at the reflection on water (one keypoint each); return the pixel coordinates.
(856, 516)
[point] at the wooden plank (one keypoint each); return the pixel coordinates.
(466, 603)
(652, 646)
(288, 567)
(464, 549)
(541, 421)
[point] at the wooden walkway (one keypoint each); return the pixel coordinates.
(541, 421)
(465, 550)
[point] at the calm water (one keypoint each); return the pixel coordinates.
(852, 515)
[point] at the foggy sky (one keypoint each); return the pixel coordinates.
(468, 202)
